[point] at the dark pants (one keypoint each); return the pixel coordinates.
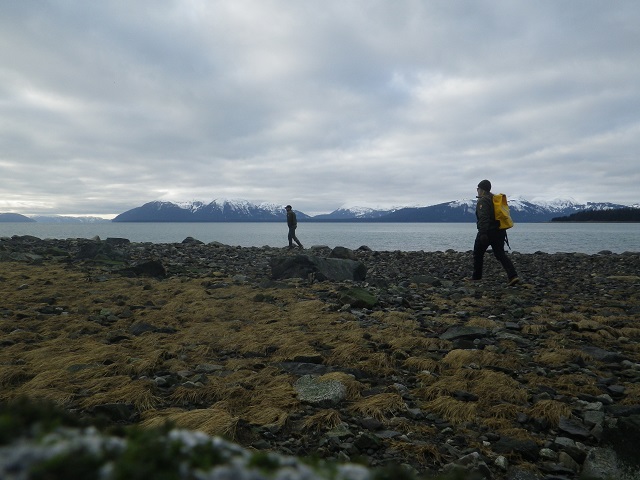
(292, 237)
(495, 239)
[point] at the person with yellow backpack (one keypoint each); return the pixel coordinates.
(492, 221)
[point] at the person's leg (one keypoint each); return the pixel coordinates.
(479, 248)
(497, 239)
(295, 238)
(291, 235)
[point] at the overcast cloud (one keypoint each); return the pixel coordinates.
(107, 105)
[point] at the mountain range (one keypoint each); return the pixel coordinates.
(224, 210)
(18, 218)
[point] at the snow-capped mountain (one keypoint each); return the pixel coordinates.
(219, 210)
(349, 213)
(521, 211)
(67, 220)
(226, 210)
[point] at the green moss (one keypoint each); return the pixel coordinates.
(148, 455)
(27, 417)
(75, 464)
(264, 461)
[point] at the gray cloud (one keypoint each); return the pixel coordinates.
(108, 105)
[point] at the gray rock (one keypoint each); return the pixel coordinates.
(464, 332)
(324, 393)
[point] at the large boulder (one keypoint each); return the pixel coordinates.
(318, 268)
(324, 393)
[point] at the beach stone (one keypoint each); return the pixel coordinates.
(320, 392)
(358, 298)
(464, 332)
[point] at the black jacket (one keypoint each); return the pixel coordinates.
(292, 221)
(485, 217)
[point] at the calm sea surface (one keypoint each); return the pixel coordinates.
(524, 237)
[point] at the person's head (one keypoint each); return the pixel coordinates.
(287, 208)
(485, 186)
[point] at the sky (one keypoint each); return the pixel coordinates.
(105, 106)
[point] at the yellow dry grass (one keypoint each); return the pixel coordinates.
(550, 410)
(454, 411)
(487, 323)
(422, 364)
(379, 406)
(569, 384)
(88, 356)
(463, 358)
(534, 329)
(422, 451)
(632, 394)
(213, 421)
(322, 420)
(556, 358)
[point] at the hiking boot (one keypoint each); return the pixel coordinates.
(513, 281)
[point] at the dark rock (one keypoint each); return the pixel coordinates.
(300, 369)
(573, 428)
(116, 412)
(342, 252)
(602, 355)
(527, 449)
(306, 266)
(139, 328)
(152, 268)
(193, 241)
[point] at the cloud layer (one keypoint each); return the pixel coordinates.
(108, 105)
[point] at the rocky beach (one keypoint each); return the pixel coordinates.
(356, 356)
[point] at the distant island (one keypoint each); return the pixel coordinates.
(613, 215)
(15, 218)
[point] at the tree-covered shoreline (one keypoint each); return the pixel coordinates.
(615, 215)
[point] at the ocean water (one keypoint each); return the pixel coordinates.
(524, 237)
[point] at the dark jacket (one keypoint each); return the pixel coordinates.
(292, 221)
(485, 217)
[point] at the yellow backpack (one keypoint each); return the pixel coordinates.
(501, 210)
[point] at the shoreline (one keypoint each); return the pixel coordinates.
(428, 369)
